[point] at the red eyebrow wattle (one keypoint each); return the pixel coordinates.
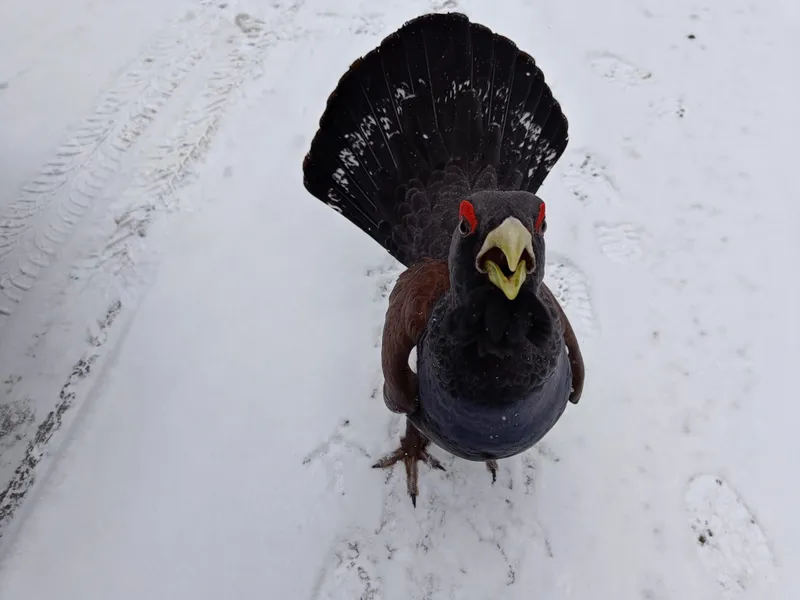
(540, 217)
(467, 211)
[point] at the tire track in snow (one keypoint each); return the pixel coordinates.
(25, 474)
(172, 163)
(107, 266)
(37, 227)
(49, 207)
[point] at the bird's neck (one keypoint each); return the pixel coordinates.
(483, 316)
(496, 352)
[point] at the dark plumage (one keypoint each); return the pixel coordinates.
(435, 144)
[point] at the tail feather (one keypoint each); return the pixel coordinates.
(440, 108)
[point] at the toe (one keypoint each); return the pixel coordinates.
(412, 478)
(433, 462)
(390, 459)
(491, 465)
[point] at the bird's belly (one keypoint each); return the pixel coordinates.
(480, 431)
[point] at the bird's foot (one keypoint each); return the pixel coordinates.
(492, 466)
(413, 448)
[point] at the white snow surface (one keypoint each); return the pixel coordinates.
(189, 342)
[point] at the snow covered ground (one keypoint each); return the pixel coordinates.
(189, 399)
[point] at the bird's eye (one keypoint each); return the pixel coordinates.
(468, 222)
(543, 226)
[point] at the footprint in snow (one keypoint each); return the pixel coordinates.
(367, 24)
(587, 177)
(248, 25)
(371, 23)
(385, 276)
(668, 107)
(350, 569)
(617, 69)
(461, 519)
(443, 5)
(620, 242)
(730, 542)
(571, 287)
(332, 452)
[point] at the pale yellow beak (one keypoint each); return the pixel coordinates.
(515, 242)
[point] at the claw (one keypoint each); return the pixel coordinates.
(433, 462)
(390, 459)
(492, 466)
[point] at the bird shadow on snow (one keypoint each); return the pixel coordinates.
(467, 537)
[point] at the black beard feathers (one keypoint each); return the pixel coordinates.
(499, 326)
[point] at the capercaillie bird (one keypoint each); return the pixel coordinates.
(435, 144)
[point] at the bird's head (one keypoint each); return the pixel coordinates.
(499, 240)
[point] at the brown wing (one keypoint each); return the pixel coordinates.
(410, 306)
(575, 356)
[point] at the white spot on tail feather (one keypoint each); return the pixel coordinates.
(388, 125)
(348, 158)
(368, 125)
(340, 177)
(357, 142)
(526, 120)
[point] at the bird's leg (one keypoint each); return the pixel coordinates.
(492, 466)
(413, 448)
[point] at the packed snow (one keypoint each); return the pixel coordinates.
(189, 342)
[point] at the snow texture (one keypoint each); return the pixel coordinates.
(189, 343)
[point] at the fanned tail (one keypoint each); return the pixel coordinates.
(441, 108)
